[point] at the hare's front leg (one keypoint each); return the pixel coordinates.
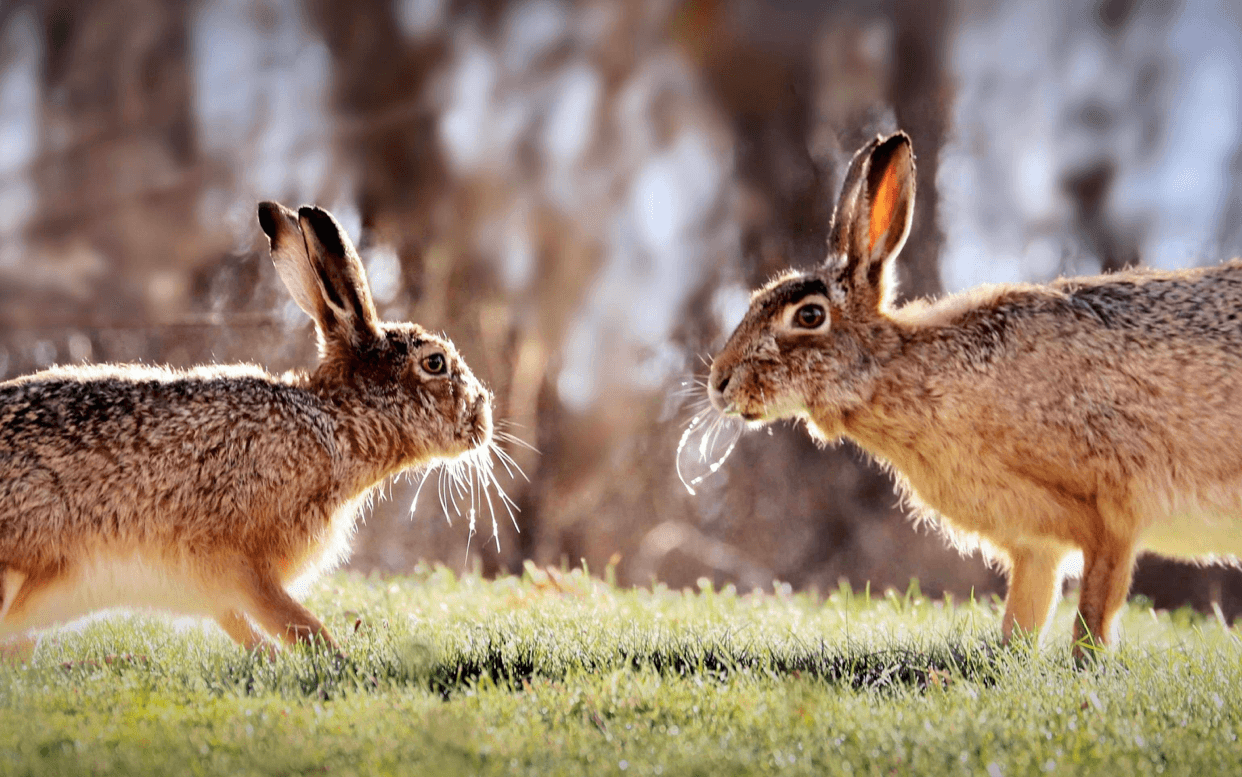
(278, 612)
(14, 648)
(239, 627)
(1034, 586)
(1107, 570)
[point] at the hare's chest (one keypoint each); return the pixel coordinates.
(972, 495)
(327, 544)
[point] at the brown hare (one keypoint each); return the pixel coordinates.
(210, 491)
(1091, 418)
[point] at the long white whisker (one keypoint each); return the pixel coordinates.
(455, 486)
(470, 478)
(487, 478)
(419, 490)
(516, 441)
(509, 462)
(510, 505)
(501, 456)
(441, 489)
(704, 434)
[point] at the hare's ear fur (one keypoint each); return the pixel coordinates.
(872, 219)
(322, 271)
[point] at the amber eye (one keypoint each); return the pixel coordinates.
(434, 363)
(810, 316)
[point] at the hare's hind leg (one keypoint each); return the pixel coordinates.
(278, 612)
(1034, 586)
(16, 648)
(1107, 572)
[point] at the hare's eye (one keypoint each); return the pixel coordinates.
(810, 316)
(434, 363)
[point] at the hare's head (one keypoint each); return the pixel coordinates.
(413, 380)
(809, 344)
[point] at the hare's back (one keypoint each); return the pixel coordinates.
(1202, 305)
(138, 452)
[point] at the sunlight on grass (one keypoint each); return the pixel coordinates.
(557, 672)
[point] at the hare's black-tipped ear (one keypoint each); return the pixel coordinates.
(872, 219)
(341, 277)
(321, 269)
(284, 234)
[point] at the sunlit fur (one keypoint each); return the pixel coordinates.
(1069, 424)
(211, 491)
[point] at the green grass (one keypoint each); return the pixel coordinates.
(569, 675)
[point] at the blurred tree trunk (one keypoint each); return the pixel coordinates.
(921, 98)
(118, 170)
(386, 126)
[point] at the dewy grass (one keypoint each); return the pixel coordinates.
(555, 672)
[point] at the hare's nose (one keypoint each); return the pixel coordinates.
(716, 389)
(481, 409)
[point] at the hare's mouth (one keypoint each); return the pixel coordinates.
(747, 411)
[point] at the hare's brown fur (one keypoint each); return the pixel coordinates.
(1093, 416)
(212, 490)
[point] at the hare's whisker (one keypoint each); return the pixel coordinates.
(705, 444)
(470, 476)
(502, 461)
(455, 485)
(419, 490)
(508, 461)
(725, 424)
(509, 504)
(471, 480)
(516, 441)
(441, 488)
(487, 478)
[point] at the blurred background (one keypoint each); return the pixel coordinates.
(581, 195)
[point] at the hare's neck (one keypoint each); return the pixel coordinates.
(898, 418)
(369, 446)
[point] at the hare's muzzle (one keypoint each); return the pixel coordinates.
(481, 417)
(717, 385)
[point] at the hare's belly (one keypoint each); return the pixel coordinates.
(103, 581)
(1194, 530)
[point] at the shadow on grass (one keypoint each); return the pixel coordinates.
(321, 674)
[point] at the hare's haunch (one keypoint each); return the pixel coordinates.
(210, 491)
(1094, 416)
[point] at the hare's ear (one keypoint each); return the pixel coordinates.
(321, 269)
(288, 247)
(341, 277)
(872, 219)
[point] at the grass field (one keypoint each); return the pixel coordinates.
(560, 673)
